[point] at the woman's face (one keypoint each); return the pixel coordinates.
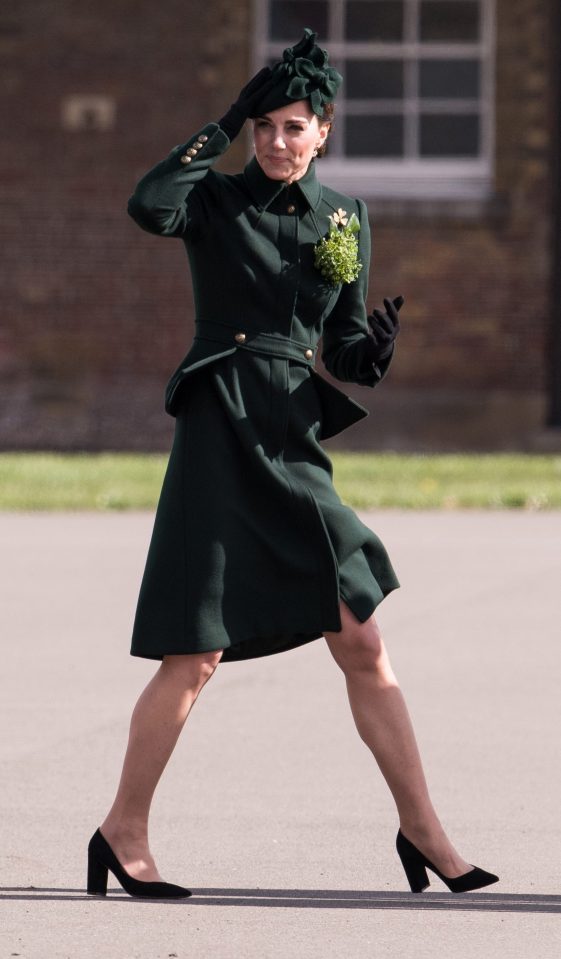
(285, 140)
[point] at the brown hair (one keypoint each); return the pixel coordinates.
(328, 117)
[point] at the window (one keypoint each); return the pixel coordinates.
(415, 115)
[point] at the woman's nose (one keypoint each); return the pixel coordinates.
(279, 141)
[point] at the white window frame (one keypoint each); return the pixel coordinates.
(410, 177)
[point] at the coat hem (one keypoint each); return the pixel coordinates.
(234, 653)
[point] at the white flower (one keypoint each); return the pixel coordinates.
(340, 218)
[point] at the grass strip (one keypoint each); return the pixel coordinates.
(130, 481)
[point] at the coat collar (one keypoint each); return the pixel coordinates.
(264, 190)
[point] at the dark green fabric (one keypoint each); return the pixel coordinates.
(252, 548)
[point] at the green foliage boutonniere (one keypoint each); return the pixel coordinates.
(336, 256)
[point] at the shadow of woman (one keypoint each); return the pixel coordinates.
(312, 899)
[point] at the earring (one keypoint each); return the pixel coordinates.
(315, 153)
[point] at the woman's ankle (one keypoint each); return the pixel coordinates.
(423, 822)
(124, 828)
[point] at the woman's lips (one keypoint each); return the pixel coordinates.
(278, 159)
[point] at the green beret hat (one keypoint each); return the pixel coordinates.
(302, 74)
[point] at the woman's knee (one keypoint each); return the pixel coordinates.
(191, 670)
(357, 647)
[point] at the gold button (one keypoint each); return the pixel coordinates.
(291, 209)
(191, 152)
(185, 159)
(240, 337)
(308, 354)
(197, 145)
(203, 138)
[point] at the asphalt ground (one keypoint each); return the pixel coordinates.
(272, 810)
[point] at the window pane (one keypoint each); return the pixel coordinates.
(289, 17)
(444, 135)
(449, 78)
(444, 20)
(369, 20)
(380, 136)
(373, 79)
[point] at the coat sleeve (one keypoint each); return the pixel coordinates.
(347, 341)
(165, 200)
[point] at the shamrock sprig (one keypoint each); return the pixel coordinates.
(336, 256)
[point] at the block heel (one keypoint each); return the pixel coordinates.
(97, 877)
(416, 874)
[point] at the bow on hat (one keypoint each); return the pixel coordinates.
(302, 74)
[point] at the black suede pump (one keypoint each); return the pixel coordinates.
(416, 865)
(101, 859)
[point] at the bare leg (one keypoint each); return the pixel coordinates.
(383, 723)
(156, 722)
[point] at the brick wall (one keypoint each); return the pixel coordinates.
(96, 314)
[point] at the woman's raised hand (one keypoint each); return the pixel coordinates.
(385, 327)
(234, 119)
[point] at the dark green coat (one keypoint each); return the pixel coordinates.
(252, 548)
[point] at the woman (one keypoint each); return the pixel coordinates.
(252, 551)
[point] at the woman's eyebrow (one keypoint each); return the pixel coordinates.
(289, 120)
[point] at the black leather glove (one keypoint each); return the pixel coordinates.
(234, 119)
(385, 327)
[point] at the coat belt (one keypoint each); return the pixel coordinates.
(271, 343)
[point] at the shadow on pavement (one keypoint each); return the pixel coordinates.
(311, 899)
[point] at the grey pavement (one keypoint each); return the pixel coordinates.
(272, 810)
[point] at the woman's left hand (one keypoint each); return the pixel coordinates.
(234, 118)
(385, 327)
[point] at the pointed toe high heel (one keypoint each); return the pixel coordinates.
(101, 859)
(416, 865)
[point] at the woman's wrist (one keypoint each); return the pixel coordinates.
(232, 121)
(377, 352)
